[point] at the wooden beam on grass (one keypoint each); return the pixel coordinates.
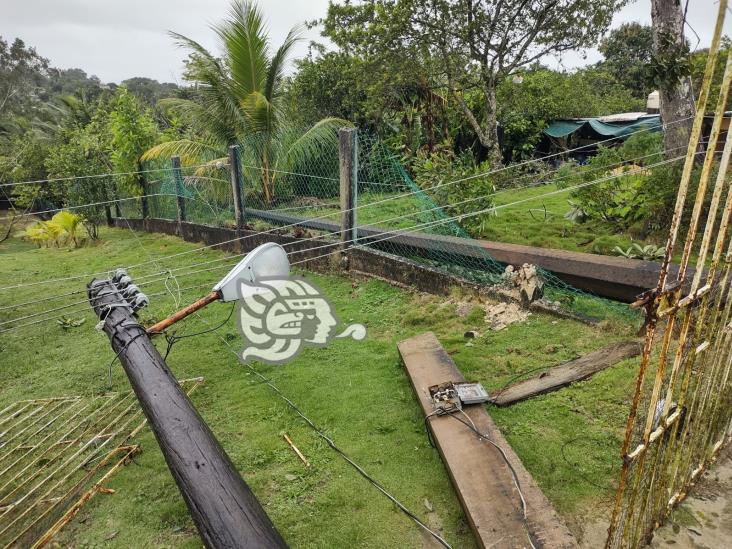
(479, 473)
(567, 373)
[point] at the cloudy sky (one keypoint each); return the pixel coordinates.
(117, 40)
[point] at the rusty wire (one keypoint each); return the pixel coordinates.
(679, 419)
(52, 450)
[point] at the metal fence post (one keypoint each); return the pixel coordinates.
(237, 184)
(178, 178)
(348, 164)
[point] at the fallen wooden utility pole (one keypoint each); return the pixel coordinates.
(224, 509)
(567, 373)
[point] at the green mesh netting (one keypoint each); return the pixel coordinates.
(285, 183)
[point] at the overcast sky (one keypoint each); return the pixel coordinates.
(116, 39)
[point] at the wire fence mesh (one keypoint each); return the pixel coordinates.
(401, 218)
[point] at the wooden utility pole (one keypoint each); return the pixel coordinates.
(224, 509)
(237, 184)
(348, 164)
(675, 93)
(178, 178)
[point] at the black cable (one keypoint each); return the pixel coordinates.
(334, 447)
(172, 339)
(516, 377)
(116, 356)
(451, 413)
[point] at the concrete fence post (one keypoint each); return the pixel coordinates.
(237, 186)
(178, 178)
(348, 164)
(144, 190)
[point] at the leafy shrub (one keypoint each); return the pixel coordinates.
(63, 228)
(644, 197)
(648, 252)
(434, 172)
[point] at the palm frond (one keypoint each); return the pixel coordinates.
(244, 38)
(260, 113)
(320, 137)
(218, 110)
(276, 68)
(189, 151)
(211, 166)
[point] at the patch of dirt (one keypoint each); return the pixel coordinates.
(702, 521)
(464, 309)
(501, 315)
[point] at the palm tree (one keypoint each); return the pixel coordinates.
(237, 98)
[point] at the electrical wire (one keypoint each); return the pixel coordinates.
(95, 176)
(384, 235)
(169, 271)
(371, 204)
(512, 189)
(335, 447)
(172, 339)
(442, 412)
(100, 203)
(461, 217)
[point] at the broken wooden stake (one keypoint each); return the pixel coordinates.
(296, 450)
(567, 373)
(479, 473)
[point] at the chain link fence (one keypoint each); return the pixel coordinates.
(392, 213)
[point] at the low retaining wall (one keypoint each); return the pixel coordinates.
(618, 278)
(371, 263)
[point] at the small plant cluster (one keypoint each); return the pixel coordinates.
(649, 252)
(64, 228)
(642, 196)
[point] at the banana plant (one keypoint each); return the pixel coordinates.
(70, 225)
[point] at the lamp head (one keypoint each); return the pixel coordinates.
(268, 260)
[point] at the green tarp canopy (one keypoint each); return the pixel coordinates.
(593, 127)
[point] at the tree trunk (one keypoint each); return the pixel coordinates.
(491, 126)
(677, 100)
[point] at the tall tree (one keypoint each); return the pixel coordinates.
(628, 51)
(239, 97)
(22, 74)
(671, 73)
(470, 45)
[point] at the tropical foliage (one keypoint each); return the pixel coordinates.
(238, 98)
(64, 228)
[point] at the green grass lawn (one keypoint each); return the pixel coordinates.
(536, 221)
(356, 391)
(386, 207)
(540, 222)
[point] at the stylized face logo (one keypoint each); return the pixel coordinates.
(278, 317)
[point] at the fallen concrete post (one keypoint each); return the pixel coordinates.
(480, 474)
